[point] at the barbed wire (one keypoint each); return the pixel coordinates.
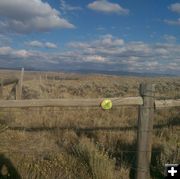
(55, 151)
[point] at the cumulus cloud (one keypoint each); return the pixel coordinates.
(5, 40)
(23, 16)
(65, 7)
(108, 40)
(107, 7)
(175, 7)
(35, 43)
(172, 22)
(105, 40)
(39, 44)
(13, 53)
(169, 38)
(106, 52)
(50, 45)
(5, 50)
(94, 58)
(21, 53)
(131, 56)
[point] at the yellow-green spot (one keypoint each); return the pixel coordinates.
(106, 104)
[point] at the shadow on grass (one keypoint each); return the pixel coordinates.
(126, 156)
(125, 153)
(7, 170)
(171, 123)
(157, 169)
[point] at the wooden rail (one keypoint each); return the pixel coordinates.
(167, 103)
(5, 82)
(68, 102)
(17, 85)
(129, 101)
(146, 102)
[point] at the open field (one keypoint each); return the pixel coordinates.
(84, 143)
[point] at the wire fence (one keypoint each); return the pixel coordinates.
(122, 155)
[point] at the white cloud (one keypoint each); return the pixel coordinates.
(39, 44)
(133, 56)
(23, 16)
(172, 22)
(21, 53)
(108, 40)
(105, 40)
(10, 52)
(65, 7)
(94, 58)
(35, 43)
(102, 54)
(50, 45)
(78, 45)
(169, 38)
(5, 50)
(175, 7)
(161, 51)
(107, 7)
(100, 28)
(5, 40)
(173, 66)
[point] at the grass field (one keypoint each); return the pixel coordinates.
(84, 143)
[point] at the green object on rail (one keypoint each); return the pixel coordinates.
(106, 104)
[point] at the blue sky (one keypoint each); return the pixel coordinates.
(125, 35)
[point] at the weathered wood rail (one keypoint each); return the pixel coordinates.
(17, 85)
(68, 102)
(167, 103)
(146, 102)
(5, 82)
(129, 101)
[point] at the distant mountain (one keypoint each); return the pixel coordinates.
(120, 73)
(92, 71)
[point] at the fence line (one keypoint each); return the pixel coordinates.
(145, 127)
(17, 85)
(68, 102)
(146, 103)
(128, 101)
(8, 81)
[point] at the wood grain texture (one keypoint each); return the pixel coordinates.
(19, 85)
(145, 128)
(167, 103)
(129, 101)
(9, 81)
(1, 88)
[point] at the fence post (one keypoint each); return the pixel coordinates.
(19, 85)
(145, 127)
(1, 88)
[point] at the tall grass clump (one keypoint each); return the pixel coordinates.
(96, 162)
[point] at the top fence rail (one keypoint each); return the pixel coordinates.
(10, 81)
(129, 101)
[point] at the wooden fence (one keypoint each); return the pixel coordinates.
(147, 105)
(16, 82)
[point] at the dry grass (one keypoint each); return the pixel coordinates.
(85, 143)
